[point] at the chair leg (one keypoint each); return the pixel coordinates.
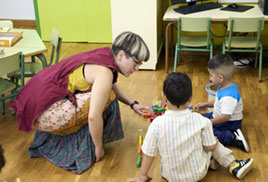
(211, 49)
(3, 105)
(33, 58)
(211, 53)
(223, 48)
(179, 57)
(175, 59)
(211, 56)
(256, 60)
(260, 66)
(12, 99)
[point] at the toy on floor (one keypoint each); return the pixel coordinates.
(139, 149)
(203, 110)
(159, 109)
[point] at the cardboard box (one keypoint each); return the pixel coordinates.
(8, 39)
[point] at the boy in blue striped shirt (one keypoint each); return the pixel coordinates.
(228, 106)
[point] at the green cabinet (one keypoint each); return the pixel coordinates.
(77, 21)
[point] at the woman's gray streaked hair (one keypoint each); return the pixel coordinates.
(132, 44)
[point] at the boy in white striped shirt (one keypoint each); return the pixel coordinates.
(184, 139)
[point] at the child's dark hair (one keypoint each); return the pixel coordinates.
(220, 60)
(2, 159)
(177, 88)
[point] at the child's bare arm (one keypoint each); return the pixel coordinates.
(145, 167)
(204, 104)
(221, 119)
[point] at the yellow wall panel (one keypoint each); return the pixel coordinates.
(77, 21)
(67, 16)
(99, 25)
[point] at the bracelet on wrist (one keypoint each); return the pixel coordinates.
(133, 103)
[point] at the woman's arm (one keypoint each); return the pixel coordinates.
(101, 79)
(123, 97)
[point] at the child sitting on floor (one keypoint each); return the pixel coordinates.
(228, 106)
(185, 139)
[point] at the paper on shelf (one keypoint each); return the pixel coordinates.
(4, 29)
(8, 39)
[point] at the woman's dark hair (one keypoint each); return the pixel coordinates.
(219, 61)
(177, 88)
(2, 158)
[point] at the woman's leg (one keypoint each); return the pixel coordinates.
(76, 151)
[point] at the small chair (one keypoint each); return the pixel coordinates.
(31, 68)
(193, 42)
(250, 43)
(9, 64)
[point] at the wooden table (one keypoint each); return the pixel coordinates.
(30, 45)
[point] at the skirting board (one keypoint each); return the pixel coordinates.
(23, 23)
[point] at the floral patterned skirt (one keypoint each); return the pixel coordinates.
(63, 118)
(76, 151)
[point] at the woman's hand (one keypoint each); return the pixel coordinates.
(140, 108)
(99, 152)
(142, 178)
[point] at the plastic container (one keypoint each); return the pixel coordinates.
(211, 89)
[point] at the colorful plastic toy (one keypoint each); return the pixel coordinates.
(204, 110)
(138, 164)
(159, 109)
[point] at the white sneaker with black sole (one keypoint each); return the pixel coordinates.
(240, 141)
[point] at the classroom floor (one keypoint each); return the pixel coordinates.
(119, 162)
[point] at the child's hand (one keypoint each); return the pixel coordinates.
(142, 178)
(217, 140)
(201, 105)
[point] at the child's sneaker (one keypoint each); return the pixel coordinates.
(240, 141)
(214, 165)
(241, 168)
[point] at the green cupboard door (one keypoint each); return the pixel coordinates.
(67, 16)
(99, 23)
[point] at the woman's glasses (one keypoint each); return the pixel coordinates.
(136, 61)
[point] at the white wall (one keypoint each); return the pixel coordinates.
(17, 9)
